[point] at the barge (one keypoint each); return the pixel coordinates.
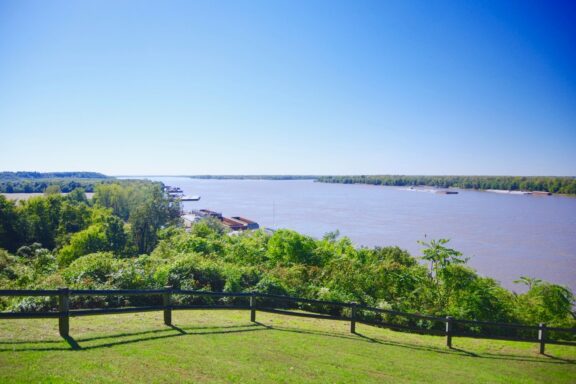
(236, 223)
(190, 198)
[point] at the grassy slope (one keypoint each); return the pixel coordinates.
(223, 346)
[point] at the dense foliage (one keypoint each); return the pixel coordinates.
(122, 218)
(564, 185)
(37, 182)
(123, 239)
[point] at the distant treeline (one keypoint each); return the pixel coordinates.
(37, 182)
(255, 177)
(51, 175)
(40, 185)
(564, 185)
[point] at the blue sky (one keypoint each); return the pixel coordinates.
(288, 87)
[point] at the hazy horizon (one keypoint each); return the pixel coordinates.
(287, 174)
(288, 87)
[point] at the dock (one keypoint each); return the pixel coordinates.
(236, 223)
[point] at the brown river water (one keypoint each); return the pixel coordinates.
(505, 236)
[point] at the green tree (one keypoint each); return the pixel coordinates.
(40, 216)
(116, 237)
(143, 228)
(74, 217)
(53, 189)
(154, 212)
(78, 195)
(440, 256)
(114, 196)
(545, 302)
(106, 234)
(530, 282)
(466, 295)
(90, 240)
(290, 247)
(208, 228)
(11, 229)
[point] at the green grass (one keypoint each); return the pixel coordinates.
(224, 347)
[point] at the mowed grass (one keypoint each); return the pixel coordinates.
(225, 347)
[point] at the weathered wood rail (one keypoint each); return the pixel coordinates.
(285, 305)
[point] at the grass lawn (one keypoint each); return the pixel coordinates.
(224, 347)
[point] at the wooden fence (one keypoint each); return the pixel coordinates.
(285, 305)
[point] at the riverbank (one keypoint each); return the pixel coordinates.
(513, 184)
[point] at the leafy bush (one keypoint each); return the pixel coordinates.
(91, 270)
(191, 271)
(35, 304)
(272, 286)
(547, 303)
(239, 279)
(290, 247)
(132, 274)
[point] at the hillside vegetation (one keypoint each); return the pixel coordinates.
(127, 237)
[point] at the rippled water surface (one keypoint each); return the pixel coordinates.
(506, 236)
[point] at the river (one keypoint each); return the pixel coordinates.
(505, 236)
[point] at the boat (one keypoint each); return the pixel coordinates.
(170, 189)
(509, 192)
(542, 193)
(444, 192)
(190, 198)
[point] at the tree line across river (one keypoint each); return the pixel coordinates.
(36, 182)
(553, 184)
(562, 185)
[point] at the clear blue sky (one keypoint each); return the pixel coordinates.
(288, 87)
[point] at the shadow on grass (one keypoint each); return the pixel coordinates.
(465, 353)
(29, 342)
(452, 351)
(560, 358)
(72, 343)
(78, 344)
(171, 331)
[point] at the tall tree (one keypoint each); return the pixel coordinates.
(11, 231)
(440, 256)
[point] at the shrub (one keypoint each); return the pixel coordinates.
(91, 270)
(191, 271)
(290, 247)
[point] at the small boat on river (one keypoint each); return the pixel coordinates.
(190, 198)
(445, 192)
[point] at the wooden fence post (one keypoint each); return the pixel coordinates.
(167, 303)
(353, 317)
(542, 337)
(449, 324)
(253, 308)
(64, 309)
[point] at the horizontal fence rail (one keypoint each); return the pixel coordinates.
(287, 305)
